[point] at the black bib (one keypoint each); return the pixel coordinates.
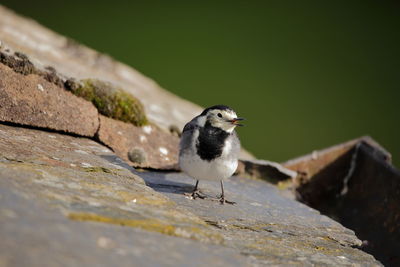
(211, 142)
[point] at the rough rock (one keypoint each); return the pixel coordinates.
(109, 100)
(70, 201)
(273, 230)
(31, 100)
(18, 62)
(146, 147)
(355, 183)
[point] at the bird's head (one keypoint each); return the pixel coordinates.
(222, 117)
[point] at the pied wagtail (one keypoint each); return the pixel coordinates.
(209, 147)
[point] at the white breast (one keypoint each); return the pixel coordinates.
(214, 170)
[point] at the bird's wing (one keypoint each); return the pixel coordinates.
(190, 126)
(187, 134)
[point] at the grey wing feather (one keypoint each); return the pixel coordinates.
(190, 126)
(187, 135)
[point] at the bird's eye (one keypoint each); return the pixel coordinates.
(219, 115)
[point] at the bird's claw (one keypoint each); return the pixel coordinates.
(196, 194)
(222, 200)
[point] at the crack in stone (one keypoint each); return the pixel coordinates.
(353, 164)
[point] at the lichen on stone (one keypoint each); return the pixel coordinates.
(152, 225)
(110, 100)
(146, 224)
(97, 169)
(137, 155)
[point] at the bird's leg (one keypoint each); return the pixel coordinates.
(222, 198)
(195, 187)
(196, 192)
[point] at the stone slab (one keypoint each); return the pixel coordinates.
(270, 228)
(33, 233)
(68, 201)
(33, 101)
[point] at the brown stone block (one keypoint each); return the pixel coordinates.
(31, 100)
(146, 147)
(355, 184)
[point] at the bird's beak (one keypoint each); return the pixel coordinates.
(236, 121)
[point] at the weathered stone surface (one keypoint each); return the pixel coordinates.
(18, 62)
(270, 228)
(158, 149)
(31, 100)
(34, 234)
(70, 201)
(355, 183)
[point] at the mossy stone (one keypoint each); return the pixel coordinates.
(110, 101)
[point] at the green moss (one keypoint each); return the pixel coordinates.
(110, 101)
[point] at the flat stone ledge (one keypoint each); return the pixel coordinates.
(68, 201)
(270, 228)
(69, 198)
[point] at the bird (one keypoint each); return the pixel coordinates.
(209, 147)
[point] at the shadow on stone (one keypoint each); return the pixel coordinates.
(157, 182)
(160, 183)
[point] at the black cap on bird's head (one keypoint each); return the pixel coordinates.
(216, 107)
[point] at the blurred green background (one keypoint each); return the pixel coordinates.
(305, 74)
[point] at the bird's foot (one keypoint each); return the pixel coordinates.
(196, 194)
(222, 200)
